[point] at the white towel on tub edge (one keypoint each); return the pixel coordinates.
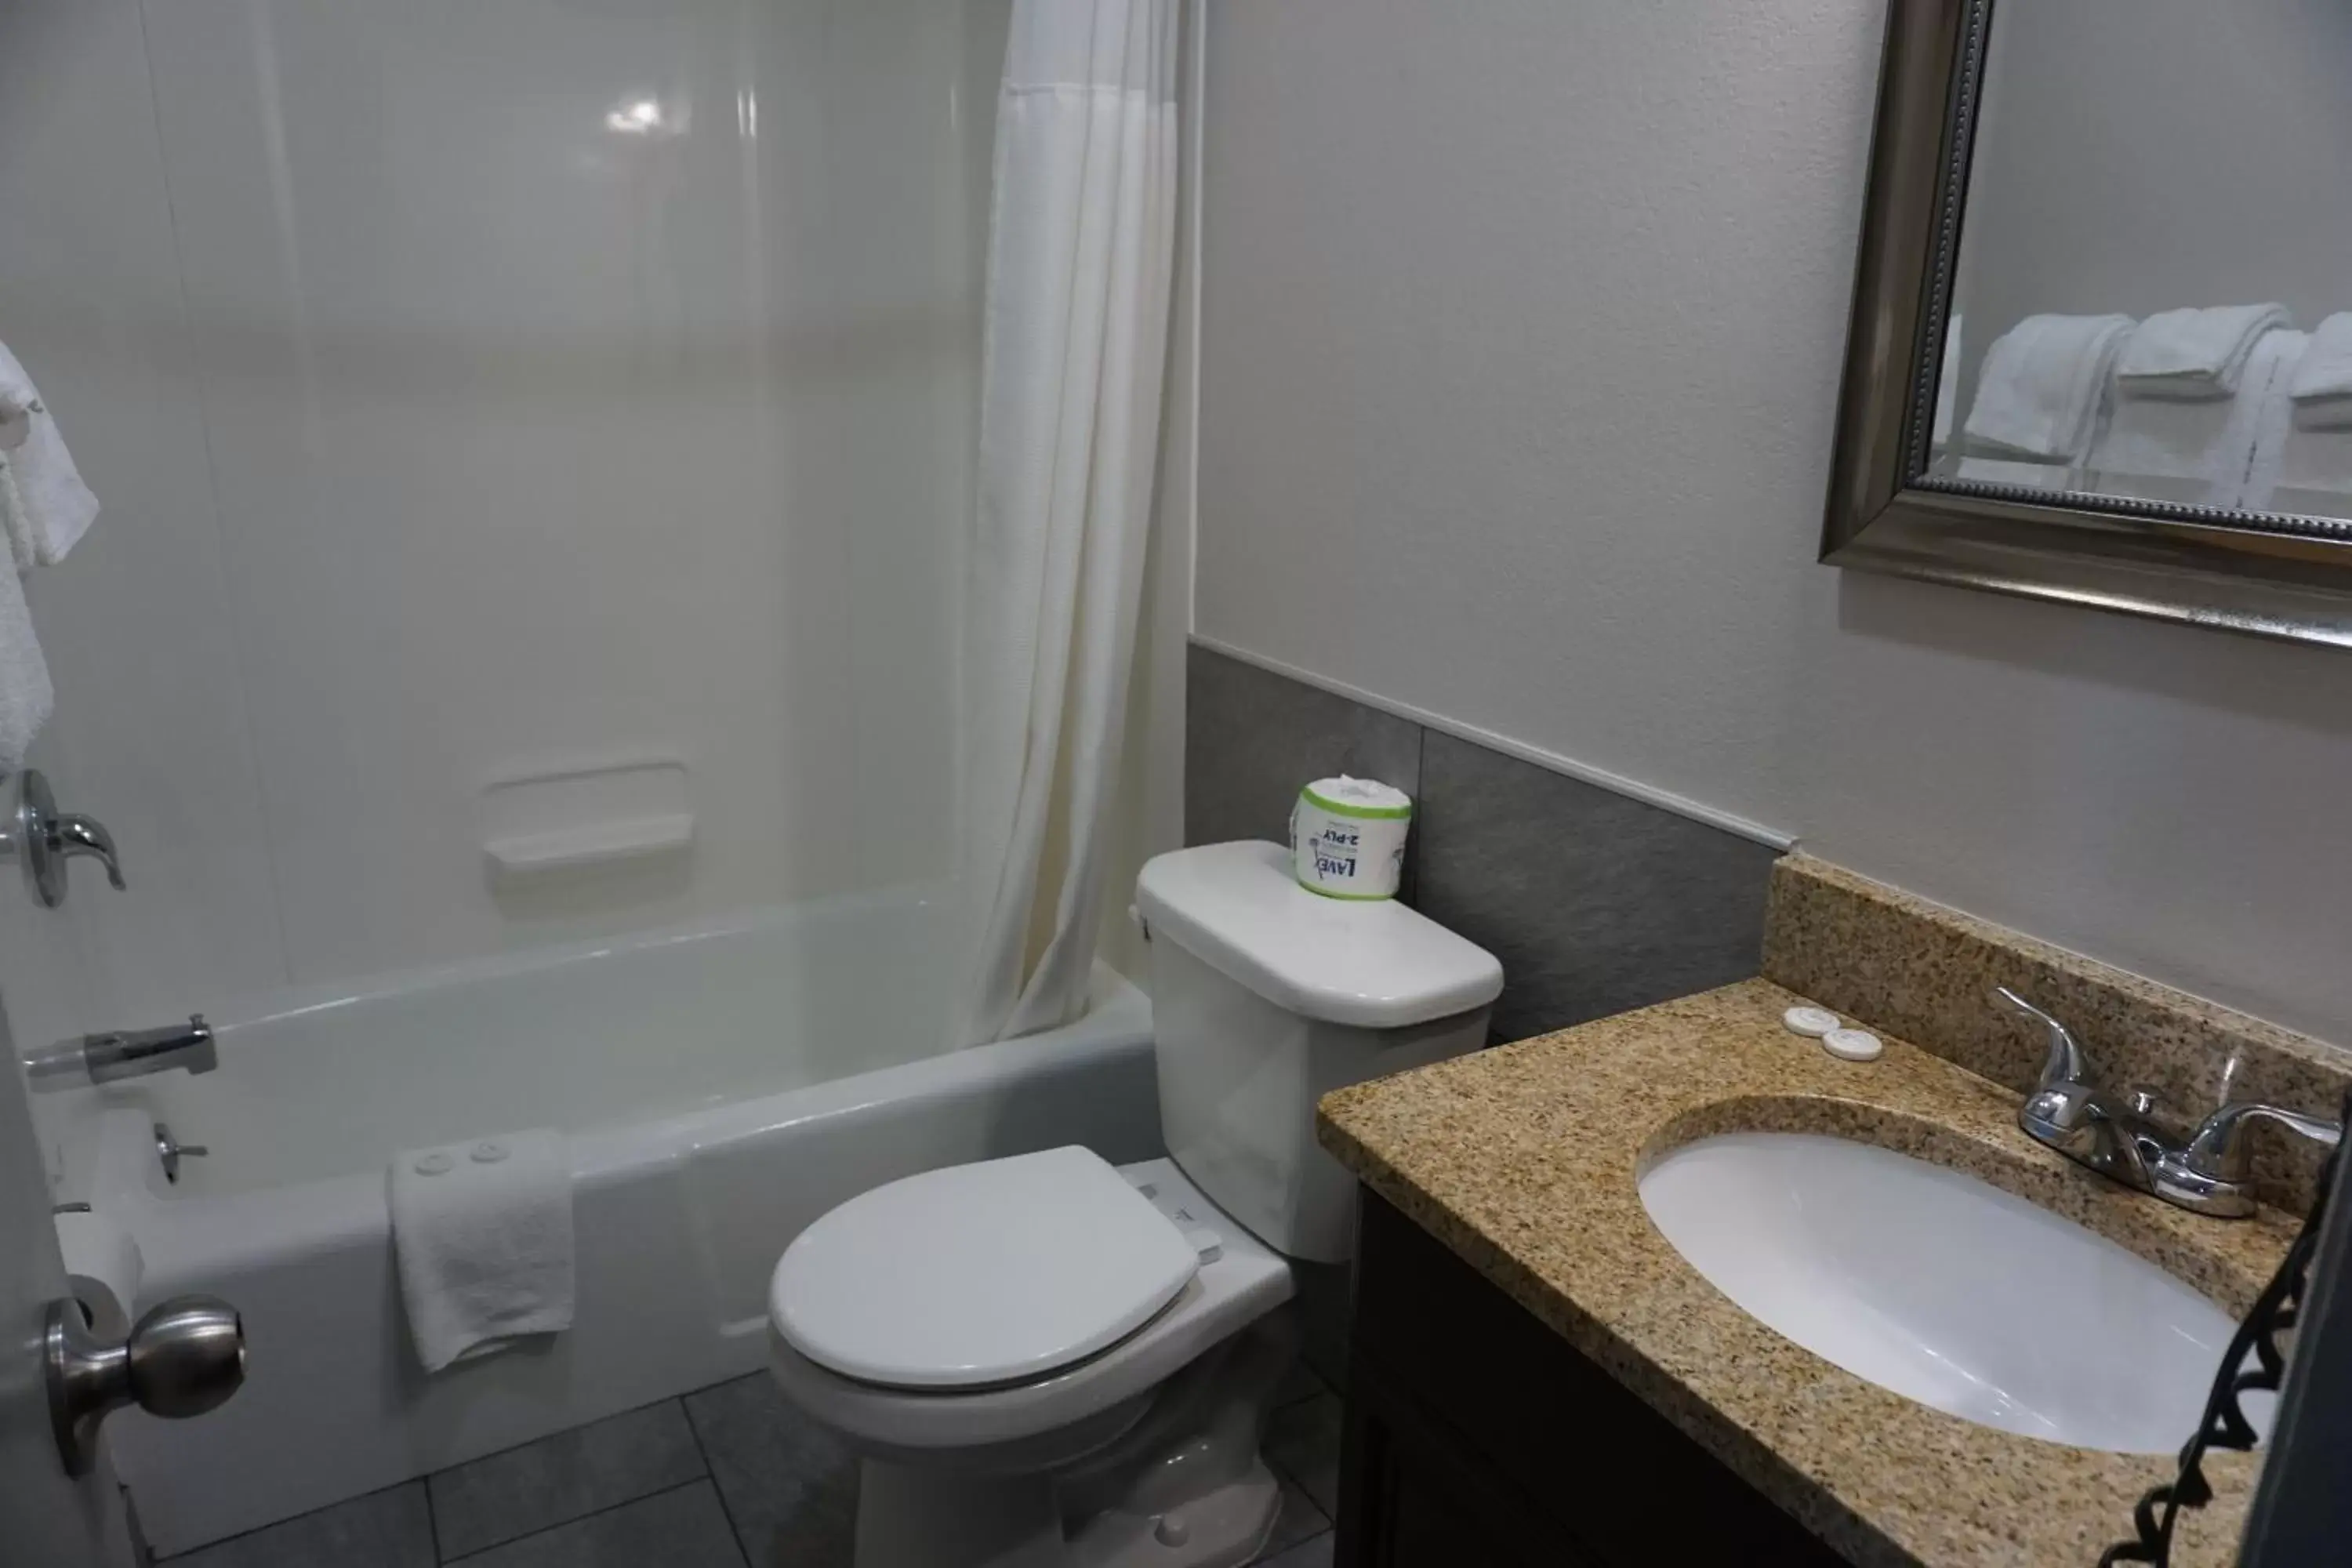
(481, 1237)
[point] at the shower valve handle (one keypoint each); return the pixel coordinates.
(74, 835)
(43, 840)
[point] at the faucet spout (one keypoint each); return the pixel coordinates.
(120, 1053)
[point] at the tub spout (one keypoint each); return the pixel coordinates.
(120, 1053)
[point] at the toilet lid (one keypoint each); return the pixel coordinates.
(990, 1273)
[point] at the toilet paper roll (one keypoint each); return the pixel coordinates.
(103, 1266)
(1347, 838)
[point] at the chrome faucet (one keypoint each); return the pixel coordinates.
(120, 1053)
(2116, 1135)
(43, 840)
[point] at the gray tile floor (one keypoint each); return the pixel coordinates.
(724, 1478)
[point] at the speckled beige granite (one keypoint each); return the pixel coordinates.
(1926, 973)
(1523, 1161)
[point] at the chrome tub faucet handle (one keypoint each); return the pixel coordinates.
(73, 835)
(44, 841)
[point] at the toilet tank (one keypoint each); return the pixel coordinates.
(1265, 997)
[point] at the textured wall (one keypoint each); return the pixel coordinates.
(1522, 330)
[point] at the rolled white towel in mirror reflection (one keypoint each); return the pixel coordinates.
(2192, 453)
(2195, 354)
(2322, 388)
(2300, 466)
(2017, 472)
(2042, 388)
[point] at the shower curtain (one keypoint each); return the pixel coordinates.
(1081, 241)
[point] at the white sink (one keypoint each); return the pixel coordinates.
(1945, 1289)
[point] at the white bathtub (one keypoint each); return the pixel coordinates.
(720, 1089)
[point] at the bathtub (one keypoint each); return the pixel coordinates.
(720, 1088)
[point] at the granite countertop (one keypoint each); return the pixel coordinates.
(1523, 1161)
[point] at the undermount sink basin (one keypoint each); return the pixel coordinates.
(1945, 1289)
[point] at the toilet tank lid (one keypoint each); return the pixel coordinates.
(1375, 965)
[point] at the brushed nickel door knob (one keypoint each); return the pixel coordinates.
(184, 1357)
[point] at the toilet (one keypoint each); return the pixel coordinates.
(1049, 1362)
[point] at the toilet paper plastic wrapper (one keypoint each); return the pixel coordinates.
(1347, 838)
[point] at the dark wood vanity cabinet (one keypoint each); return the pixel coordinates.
(1476, 1437)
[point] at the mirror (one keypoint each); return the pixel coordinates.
(2102, 348)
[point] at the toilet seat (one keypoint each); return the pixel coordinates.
(980, 1275)
(1242, 1282)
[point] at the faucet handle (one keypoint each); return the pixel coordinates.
(2219, 1150)
(76, 835)
(2065, 1066)
(43, 839)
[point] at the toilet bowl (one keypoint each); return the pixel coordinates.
(1047, 1361)
(1159, 1420)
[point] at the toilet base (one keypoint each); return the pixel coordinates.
(923, 1516)
(1223, 1529)
(1180, 1486)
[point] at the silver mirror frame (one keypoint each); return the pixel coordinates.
(2266, 574)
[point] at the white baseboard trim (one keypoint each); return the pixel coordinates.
(1771, 838)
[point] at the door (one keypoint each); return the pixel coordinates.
(47, 97)
(48, 1518)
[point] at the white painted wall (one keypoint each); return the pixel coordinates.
(1521, 338)
(445, 430)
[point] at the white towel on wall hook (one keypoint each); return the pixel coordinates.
(56, 509)
(45, 509)
(26, 695)
(14, 524)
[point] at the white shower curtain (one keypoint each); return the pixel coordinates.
(1081, 242)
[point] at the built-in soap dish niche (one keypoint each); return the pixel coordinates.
(584, 816)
